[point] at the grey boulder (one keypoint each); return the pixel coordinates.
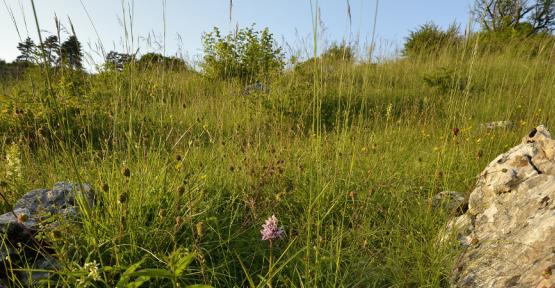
(38, 210)
(509, 229)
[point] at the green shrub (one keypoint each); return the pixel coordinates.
(430, 39)
(249, 55)
(516, 42)
(339, 52)
(171, 63)
(444, 80)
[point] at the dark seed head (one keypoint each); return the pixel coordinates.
(181, 190)
(122, 198)
(126, 172)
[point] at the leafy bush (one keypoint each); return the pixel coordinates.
(516, 42)
(249, 55)
(444, 80)
(339, 52)
(14, 70)
(117, 61)
(430, 39)
(172, 63)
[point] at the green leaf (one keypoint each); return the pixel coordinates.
(138, 282)
(124, 280)
(153, 272)
(251, 283)
(182, 263)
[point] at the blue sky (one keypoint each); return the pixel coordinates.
(185, 20)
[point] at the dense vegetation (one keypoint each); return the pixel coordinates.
(346, 154)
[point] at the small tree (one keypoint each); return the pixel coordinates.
(51, 47)
(71, 55)
(525, 16)
(117, 61)
(339, 52)
(151, 60)
(430, 39)
(28, 51)
(246, 54)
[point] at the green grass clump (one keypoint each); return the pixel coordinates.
(346, 155)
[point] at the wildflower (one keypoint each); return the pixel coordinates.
(13, 162)
(389, 111)
(92, 267)
(179, 166)
(456, 131)
(270, 230)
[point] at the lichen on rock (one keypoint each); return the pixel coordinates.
(509, 229)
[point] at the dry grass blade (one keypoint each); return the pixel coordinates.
(349, 15)
(12, 17)
(230, 9)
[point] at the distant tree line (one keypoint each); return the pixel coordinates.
(57, 54)
(66, 54)
(116, 61)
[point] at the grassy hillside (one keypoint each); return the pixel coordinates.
(347, 156)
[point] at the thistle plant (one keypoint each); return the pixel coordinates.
(271, 231)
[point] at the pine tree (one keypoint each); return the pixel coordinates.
(27, 49)
(71, 55)
(51, 47)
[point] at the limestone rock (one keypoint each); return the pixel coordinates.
(62, 195)
(509, 229)
(19, 226)
(461, 227)
(452, 201)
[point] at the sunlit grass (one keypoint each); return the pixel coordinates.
(348, 158)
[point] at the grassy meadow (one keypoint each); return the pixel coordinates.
(346, 155)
